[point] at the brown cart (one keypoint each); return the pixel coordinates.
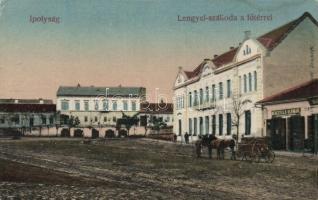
(255, 150)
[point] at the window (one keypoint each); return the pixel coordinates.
(195, 98)
(15, 119)
(105, 105)
(249, 82)
(86, 106)
(240, 85)
(85, 119)
(220, 124)
(125, 105)
(201, 125)
(190, 99)
(207, 125)
(133, 106)
(2, 120)
(228, 88)
(195, 124)
(64, 105)
(255, 80)
(114, 105)
(114, 119)
(213, 124)
(190, 126)
(77, 105)
(201, 96)
(247, 122)
(96, 105)
(51, 119)
(43, 119)
(96, 118)
(221, 90)
(180, 127)
(207, 94)
(105, 119)
(213, 92)
(245, 83)
(228, 123)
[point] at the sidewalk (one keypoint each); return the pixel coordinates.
(295, 154)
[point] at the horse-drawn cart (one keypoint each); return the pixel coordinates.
(255, 150)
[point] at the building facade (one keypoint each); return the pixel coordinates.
(28, 116)
(99, 107)
(223, 90)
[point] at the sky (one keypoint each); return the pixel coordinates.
(121, 42)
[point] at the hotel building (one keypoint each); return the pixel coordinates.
(208, 98)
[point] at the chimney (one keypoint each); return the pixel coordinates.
(180, 68)
(247, 35)
(78, 85)
(16, 101)
(215, 55)
(231, 48)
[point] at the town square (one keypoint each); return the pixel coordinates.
(159, 99)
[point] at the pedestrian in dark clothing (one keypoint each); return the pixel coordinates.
(186, 138)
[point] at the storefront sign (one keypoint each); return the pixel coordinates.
(313, 101)
(291, 111)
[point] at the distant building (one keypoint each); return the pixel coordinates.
(256, 69)
(28, 116)
(156, 112)
(99, 108)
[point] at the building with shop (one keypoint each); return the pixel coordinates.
(28, 116)
(289, 116)
(98, 108)
(206, 98)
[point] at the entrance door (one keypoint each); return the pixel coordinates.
(276, 129)
(296, 134)
(180, 126)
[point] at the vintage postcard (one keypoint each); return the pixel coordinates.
(159, 99)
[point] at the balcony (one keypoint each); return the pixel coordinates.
(205, 106)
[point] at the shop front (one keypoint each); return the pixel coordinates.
(291, 118)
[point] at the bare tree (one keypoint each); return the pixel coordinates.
(238, 104)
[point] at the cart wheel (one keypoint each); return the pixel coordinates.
(270, 156)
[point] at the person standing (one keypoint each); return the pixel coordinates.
(186, 138)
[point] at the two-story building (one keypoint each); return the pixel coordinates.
(28, 116)
(219, 96)
(98, 108)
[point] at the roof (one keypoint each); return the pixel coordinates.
(101, 91)
(303, 91)
(29, 108)
(196, 71)
(26, 101)
(156, 108)
(269, 40)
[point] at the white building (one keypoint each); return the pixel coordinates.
(99, 107)
(257, 68)
(28, 116)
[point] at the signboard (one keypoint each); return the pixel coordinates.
(291, 111)
(313, 101)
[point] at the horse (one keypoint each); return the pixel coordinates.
(222, 144)
(212, 142)
(206, 141)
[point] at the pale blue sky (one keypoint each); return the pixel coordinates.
(99, 41)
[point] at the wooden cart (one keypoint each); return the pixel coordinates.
(255, 150)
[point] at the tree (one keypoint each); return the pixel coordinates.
(238, 104)
(157, 123)
(127, 121)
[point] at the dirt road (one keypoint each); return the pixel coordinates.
(143, 169)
